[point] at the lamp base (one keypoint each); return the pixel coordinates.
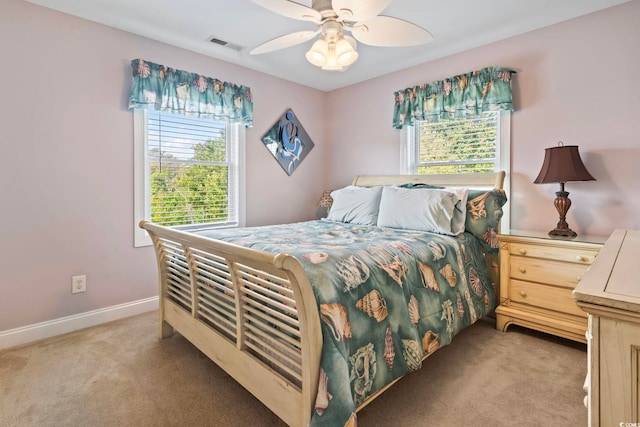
(564, 232)
(562, 204)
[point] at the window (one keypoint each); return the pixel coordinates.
(461, 145)
(189, 172)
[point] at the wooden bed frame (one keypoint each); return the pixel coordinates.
(254, 313)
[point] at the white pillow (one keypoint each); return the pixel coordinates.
(356, 205)
(460, 213)
(418, 209)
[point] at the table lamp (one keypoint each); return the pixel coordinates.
(326, 200)
(562, 164)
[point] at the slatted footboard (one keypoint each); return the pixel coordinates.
(253, 313)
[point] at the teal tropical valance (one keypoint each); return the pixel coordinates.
(162, 88)
(465, 95)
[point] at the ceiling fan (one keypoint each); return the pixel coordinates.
(334, 50)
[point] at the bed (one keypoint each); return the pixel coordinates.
(265, 303)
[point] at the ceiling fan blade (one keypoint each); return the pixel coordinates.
(290, 9)
(389, 32)
(284, 42)
(359, 10)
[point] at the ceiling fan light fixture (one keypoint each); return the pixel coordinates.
(333, 53)
(319, 52)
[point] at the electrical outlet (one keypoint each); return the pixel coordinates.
(78, 284)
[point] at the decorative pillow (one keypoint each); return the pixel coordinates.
(426, 210)
(459, 214)
(356, 205)
(484, 210)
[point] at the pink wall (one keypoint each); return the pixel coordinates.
(67, 161)
(576, 82)
(67, 144)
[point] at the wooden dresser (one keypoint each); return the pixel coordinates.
(537, 275)
(610, 293)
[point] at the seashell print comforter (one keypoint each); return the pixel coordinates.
(386, 297)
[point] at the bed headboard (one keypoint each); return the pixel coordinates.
(471, 180)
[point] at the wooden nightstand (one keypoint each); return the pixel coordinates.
(537, 275)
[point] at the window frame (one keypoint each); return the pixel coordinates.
(408, 152)
(236, 137)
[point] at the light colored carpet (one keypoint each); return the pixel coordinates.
(121, 374)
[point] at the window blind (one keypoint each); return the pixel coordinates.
(458, 145)
(192, 171)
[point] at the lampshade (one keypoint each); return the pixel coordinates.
(318, 53)
(345, 52)
(562, 164)
(325, 199)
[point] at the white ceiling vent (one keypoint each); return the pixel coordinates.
(215, 40)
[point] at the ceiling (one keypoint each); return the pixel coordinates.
(456, 25)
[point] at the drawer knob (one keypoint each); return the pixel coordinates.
(523, 270)
(523, 251)
(580, 258)
(579, 278)
(523, 294)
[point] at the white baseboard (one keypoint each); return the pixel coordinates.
(38, 331)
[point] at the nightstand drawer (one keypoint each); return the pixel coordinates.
(547, 297)
(549, 272)
(580, 256)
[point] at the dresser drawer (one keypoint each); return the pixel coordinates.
(580, 256)
(549, 272)
(547, 297)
